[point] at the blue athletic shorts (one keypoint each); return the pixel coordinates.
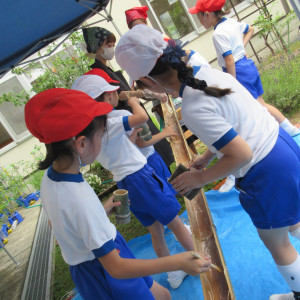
(93, 282)
(247, 74)
(160, 168)
(270, 191)
(150, 197)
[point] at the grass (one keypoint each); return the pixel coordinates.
(280, 78)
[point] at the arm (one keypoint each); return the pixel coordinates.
(166, 132)
(139, 115)
(248, 35)
(236, 154)
(122, 268)
(230, 65)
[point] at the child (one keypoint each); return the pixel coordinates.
(72, 124)
(230, 38)
(222, 113)
(152, 201)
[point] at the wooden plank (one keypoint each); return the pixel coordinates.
(215, 284)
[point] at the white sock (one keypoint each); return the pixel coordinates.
(296, 233)
(291, 274)
(289, 128)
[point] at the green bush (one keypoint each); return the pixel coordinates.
(280, 78)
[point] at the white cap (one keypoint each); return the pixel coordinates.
(93, 85)
(138, 50)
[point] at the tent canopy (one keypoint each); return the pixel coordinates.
(29, 25)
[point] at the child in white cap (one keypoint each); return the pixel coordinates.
(247, 140)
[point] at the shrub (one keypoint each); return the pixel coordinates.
(280, 79)
(95, 182)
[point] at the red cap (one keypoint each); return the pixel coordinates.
(136, 13)
(207, 5)
(59, 114)
(102, 74)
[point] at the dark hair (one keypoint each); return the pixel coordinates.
(111, 38)
(64, 149)
(131, 23)
(172, 59)
(221, 13)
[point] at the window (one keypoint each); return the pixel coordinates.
(171, 17)
(12, 123)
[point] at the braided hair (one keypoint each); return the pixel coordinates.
(172, 58)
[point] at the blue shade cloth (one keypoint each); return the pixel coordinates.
(28, 26)
(251, 268)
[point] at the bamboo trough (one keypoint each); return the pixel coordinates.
(216, 285)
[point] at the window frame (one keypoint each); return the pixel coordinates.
(198, 31)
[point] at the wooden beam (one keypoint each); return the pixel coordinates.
(215, 284)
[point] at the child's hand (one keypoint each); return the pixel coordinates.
(192, 265)
(169, 131)
(199, 162)
(187, 181)
(109, 205)
(134, 136)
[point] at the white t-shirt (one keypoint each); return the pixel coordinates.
(228, 39)
(216, 121)
(118, 154)
(78, 219)
(196, 59)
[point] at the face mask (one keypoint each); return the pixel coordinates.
(167, 90)
(109, 53)
(79, 159)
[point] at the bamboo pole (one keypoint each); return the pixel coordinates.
(215, 284)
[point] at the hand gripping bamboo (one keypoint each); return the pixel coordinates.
(216, 285)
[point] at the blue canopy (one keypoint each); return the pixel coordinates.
(29, 25)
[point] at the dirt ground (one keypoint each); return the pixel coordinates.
(19, 245)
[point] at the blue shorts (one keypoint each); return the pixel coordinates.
(150, 197)
(270, 191)
(158, 165)
(93, 282)
(247, 74)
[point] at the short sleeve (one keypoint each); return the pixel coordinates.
(222, 44)
(92, 225)
(207, 123)
(243, 27)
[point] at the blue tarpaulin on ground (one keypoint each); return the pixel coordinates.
(251, 268)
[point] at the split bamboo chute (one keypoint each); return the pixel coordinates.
(216, 282)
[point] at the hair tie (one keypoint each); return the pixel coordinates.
(172, 54)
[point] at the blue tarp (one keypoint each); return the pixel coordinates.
(251, 268)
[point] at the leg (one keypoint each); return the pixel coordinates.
(284, 254)
(182, 234)
(159, 292)
(280, 118)
(158, 239)
(295, 231)
(272, 110)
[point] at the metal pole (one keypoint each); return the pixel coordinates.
(2, 245)
(110, 19)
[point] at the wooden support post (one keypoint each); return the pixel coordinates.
(215, 284)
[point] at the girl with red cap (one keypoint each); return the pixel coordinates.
(237, 130)
(72, 124)
(230, 38)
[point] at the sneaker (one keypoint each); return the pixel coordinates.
(289, 296)
(228, 185)
(176, 278)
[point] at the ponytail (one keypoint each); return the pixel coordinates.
(172, 58)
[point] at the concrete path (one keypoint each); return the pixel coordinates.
(19, 245)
